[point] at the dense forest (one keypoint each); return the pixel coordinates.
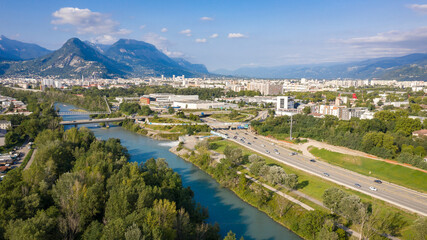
(90, 102)
(82, 188)
(79, 187)
(387, 135)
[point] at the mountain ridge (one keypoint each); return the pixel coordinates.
(16, 50)
(125, 58)
(407, 67)
(72, 60)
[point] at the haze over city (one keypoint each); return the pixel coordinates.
(230, 34)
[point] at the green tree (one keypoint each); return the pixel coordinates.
(312, 222)
(171, 110)
(332, 198)
(420, 229)
(306, 110)
(230, 236)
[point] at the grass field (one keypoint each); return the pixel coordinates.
(226, 118)
(315, 186)
(397, 174)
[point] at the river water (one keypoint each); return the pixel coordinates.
(225, 208)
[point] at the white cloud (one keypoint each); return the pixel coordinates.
(186, 32)
(206, 19)
(90, 23)
(104, 39)
(236, 35)
(421, 8)
(164, 30)
(215, 35)
(142, 26)
(201, 40)
(391, 43)
(162, 43)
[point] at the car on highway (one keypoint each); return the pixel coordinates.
(357, 185)
(267, 151)
(312, 160)
(378, 181)
(326, 174)
(272, 144)
(277, 153)
(373, 188)
(292, 153)
(262, 145)
(235, 137)
(249, 143)
(255, 138)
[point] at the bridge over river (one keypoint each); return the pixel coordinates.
(102, 120)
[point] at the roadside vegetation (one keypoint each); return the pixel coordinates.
(388, 135)
(318, 224)
(233, 116)
(397, 174)
(315, 187)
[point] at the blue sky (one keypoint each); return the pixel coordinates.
(229, 33)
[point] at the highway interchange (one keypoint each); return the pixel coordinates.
(403, 197)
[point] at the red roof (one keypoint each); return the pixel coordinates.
(422, 132)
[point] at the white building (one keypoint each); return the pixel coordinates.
(5, 124)
(167, 97)
(203, 105)
(284, 103)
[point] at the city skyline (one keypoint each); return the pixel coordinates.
(230, 35)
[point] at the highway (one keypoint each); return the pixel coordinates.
(400, 196)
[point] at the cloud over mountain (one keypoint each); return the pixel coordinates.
(86, 22)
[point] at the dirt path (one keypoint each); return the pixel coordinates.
(31, 160)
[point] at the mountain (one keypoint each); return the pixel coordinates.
(201, 68)
(16, 50)
(146, 60)
(73, 60)
(409, 67)
(102, 48)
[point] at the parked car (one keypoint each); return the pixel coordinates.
(373, 188)
(378, 181)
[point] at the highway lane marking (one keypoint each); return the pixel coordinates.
(335, 181)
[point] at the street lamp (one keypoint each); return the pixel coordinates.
(291, 128)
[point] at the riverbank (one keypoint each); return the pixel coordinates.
(185, 153)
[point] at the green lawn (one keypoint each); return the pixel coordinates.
(315, 186)
(225, 117)
(397, 174)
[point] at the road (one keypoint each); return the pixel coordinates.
(400, 196)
